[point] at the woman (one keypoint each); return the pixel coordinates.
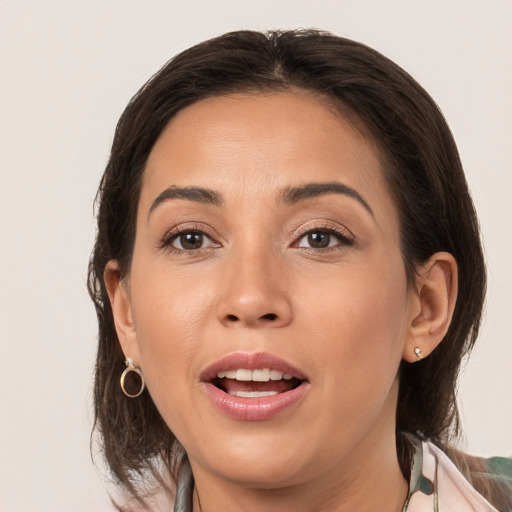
(288, 260)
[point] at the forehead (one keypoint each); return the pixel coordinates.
(262, 142)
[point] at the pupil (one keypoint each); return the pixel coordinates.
(191, 240)
(319, 240)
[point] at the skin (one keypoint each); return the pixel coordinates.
(345, 315)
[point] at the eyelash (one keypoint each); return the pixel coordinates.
(344, 237)
(170, 237)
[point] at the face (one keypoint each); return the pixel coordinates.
(267, 303)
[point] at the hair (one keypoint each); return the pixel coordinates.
(424, 174)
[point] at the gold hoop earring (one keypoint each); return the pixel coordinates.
(132, 381)
(417, 351)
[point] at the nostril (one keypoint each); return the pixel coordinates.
(269, 317)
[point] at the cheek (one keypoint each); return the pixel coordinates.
(360, 318)
(168, 346)
(170, 313)
(358, 340)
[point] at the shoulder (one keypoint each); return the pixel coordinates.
(497, 477)
(449, 489)
(499, 469)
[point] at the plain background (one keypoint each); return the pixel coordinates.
(67, 69)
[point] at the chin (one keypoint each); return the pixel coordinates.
(255, 463)
(268, 474)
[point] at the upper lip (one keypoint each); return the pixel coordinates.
(250, 361)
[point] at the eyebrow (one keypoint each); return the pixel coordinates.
(293, 195)
(197, 194)
(290, 195)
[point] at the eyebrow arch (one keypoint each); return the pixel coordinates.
(198, 194)
(293, 195)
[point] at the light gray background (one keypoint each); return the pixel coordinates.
(67, 69)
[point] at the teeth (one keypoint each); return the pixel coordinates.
(252, 394)
(276, 375)
(243, 375)
(259, 375)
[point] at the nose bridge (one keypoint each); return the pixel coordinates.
(254, 287)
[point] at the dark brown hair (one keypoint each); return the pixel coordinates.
(423, 172)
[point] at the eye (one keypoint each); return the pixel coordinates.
(323, 239)
(189, 241)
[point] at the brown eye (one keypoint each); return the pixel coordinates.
(319, 239)
(189, 241)
(323, 239)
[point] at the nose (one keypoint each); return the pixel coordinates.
(254, 291)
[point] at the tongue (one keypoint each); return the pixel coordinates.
(232, 385)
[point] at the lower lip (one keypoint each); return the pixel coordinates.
(254, 409)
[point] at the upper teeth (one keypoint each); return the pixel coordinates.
(263, 375)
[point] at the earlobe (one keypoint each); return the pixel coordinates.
(120, 302)
(436, 286)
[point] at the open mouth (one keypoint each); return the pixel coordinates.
(257, 383)
(259, 386)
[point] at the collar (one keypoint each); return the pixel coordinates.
(436, 484)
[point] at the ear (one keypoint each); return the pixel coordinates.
(433, 305)
(120, 302)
